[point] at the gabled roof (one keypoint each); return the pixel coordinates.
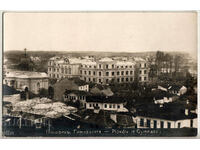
(159, 94)
(175, 87)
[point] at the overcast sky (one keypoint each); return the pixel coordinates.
(130, 32)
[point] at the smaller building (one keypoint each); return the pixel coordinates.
(162, 97)
(69, 84)
(31, 81)
(171, 115)
(75, 96)
(178, 90)
(167, 122)
(112, 103)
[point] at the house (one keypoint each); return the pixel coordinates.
(82, 85)
(75, 96)
(178, 90)
(112, 103)
(162, 88)
(161, 97)
(69, 84)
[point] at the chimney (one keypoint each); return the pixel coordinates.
(186, 112)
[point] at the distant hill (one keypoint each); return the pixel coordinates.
(49, 54)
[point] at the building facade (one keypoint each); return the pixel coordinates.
(63, 68)
(116, 104)
(31, 81)
(106, 70)
(103, 71)
(142, 69)
(159, 123)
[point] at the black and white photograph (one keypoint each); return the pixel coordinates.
(99, 74)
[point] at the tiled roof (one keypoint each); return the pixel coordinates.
(167, 116)
(171, 111)
(77, 92)
(104, 99)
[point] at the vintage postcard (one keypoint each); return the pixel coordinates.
(99, 74)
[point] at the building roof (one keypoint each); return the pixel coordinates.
(77, 92)
(125, 120)
(54, 58)
(74, 60)
(138, 59)
(78, 81)
(170, 111)
(104, 99)
(7, 90)
(25, 74)
(167, 116)
(107, 92)
(106, 59)
(44, 107)
(101, 119)
(175, 87)
(124, 63)
(69, 84)
(159, 94)
(87, 62)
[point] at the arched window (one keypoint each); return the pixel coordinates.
(26, 89)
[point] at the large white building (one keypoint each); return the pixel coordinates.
(102, 71)
(21, 80)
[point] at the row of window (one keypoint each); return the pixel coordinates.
(107, 66)
(56, 76)
(145, 71)
(162, 123)
(144, 79)
(108, 73)
(75, 97)
(107, 80)
(61, 70)
(148, 124)
(105, 105)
